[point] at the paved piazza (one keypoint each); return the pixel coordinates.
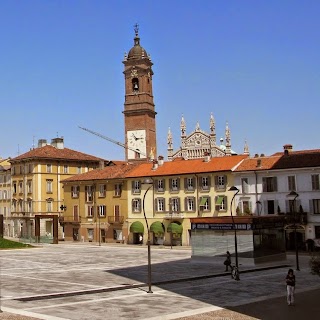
(88, 281)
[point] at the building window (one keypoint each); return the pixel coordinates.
(269, 184)
(75, 190)
(49, 206)
(175, 204)
(291, 183)
(49, 186)
(30, 168)
(20, 187)
(5, 194)
(160, 204)
(174, 184)
(90, 211)
(317, 232)
(190, 204)
(117, 189)
(315, 206)
(160, 185)
(244, 185)
(90, 234)
(315, 182)
(89, 193)
(65, 169)
(14, 187)
(102, 190)
(246, 207)
(117, 213)
(189, 184)
(78, 170)
(49, 168)
(221, 203)
(136, 187)
(102, 209)
(220, 182)
(136, 205)
(29, 205)
(76, 213)
(204, 183)
(29, 186)
(271, 206)
(20, 205)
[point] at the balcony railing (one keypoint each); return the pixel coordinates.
(69, 219)
(116, 219)
(174, 215)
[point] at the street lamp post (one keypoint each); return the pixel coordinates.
(150, 183)
(293, 210)
(233, 188)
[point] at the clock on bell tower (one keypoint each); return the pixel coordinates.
(139, 109)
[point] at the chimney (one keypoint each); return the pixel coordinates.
(258, 163)
(42, 143)
(160, 160)
(287, 149)
(57, 143)
(206, 156)
(154, 165)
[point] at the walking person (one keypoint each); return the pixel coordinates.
(227, 262)
(291, 283)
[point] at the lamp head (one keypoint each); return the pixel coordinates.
(147, 181)
(233, 188)
(292, 194)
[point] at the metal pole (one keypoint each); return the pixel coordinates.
(235, 236)
(148, 242)
(295, 234)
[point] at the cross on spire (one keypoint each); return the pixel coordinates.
(136, 29)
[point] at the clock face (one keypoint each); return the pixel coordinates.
(136, 144)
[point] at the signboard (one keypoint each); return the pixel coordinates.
(220, 226)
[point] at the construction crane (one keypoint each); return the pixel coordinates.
(114, 141)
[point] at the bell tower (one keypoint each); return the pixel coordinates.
(139, 109)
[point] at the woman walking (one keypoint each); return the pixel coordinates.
(291, 282)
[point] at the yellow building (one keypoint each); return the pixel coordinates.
(35, 183)
(180, 190)
(96, 205)
(5, 202)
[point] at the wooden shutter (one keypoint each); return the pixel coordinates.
(311, 209)
(275, 183)
(170, 184)
(185, 183)
(209, 203)
(178, 183)
(264, 184)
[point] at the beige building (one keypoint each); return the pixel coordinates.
(35, 184)
(5, 195)
(96, 205)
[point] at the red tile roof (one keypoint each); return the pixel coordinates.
(50, 152)
(257, 164)
(298, 160)
(111, 172)
(176, 167)
(294, 159)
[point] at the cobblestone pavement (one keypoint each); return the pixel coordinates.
(86, 281)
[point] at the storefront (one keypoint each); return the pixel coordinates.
(259, 239)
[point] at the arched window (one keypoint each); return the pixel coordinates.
(135, 84)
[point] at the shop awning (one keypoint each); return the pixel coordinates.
(175, 228)
(137, 227)
(203, 201)
(219, 200)
(157, 228)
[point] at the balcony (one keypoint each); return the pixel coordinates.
(116, 220)
(301, 218)
(69, 220)
(174, 215)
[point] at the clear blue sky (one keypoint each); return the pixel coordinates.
(252, 63)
